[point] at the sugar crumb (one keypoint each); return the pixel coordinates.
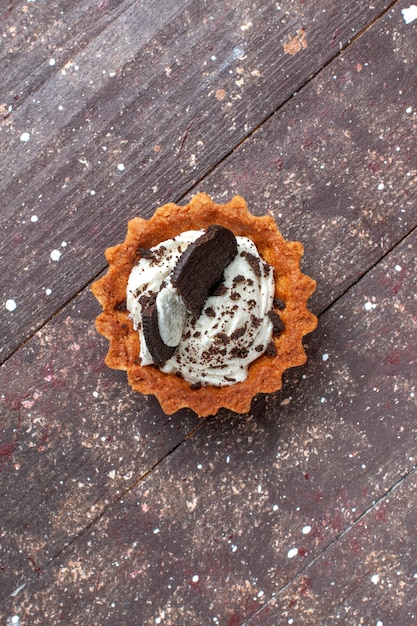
(11, 305)
(55, 255)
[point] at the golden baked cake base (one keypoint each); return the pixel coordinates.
(291, 286)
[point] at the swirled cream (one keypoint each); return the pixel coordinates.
(234, 327)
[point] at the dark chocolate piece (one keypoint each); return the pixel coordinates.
(200, 268)
(277, 324)
(253, 262)
(223, 338)
(220, 290)
(239, 332)
(271, 349)
(147, 298)
(121, 306)
(239, 353)
(145, 253)
(159, 350)
(279, 304)
(238, 279)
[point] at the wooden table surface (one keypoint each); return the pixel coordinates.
(304, 510)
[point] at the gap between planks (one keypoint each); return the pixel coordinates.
(303, 85)
(111, 505)
(344, 532)
(368, 270)
(198, 182)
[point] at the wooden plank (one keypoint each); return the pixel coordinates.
(181, 88)
(70, 442)
(339, 161)
(242, 507)
(35, 33)
(368, 577)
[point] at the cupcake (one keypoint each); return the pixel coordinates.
(204, 306)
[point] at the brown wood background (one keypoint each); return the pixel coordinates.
(302, 511)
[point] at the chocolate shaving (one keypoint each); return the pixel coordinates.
(277, 324)
(279, 304)
(145, 253)
(239, 332)
(256, 321)
(220, 290)
(239, 353)
(223, 338)
(253, 262)
(271, 349)
(121, 306)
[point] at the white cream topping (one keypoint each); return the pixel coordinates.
(170, 307)
(233, 329)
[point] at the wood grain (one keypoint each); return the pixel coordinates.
(71, 443)
(238, 511)
(336, 166)
(165, 94)
(369, 576)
